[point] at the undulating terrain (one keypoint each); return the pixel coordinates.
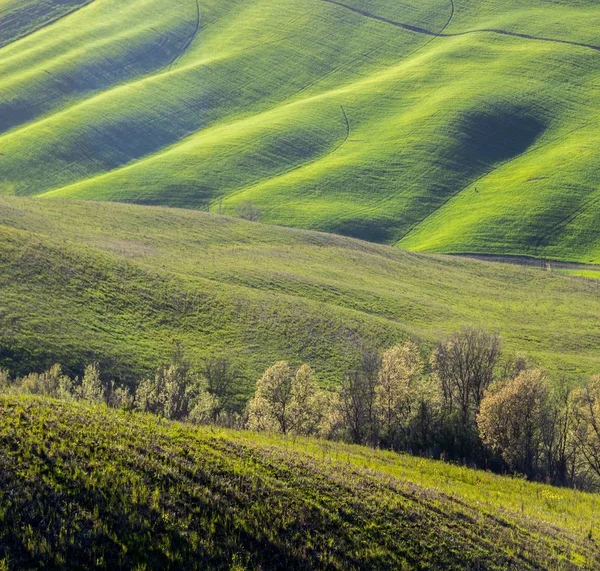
(439, 125)
(363, 141)
(116, 283)
(87, 488)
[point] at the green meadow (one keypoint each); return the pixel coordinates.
(221, 185)
(455, 126)
(84, 281)
(116, 489)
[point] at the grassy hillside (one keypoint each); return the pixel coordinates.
(117, 283)
(115, 489)
(441, 125)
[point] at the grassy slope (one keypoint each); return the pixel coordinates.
(326, 115)
(116, 489)
(19, 18)
(117, 282)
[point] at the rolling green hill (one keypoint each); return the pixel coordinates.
(117, 283)
(87, 488)
(441, 125)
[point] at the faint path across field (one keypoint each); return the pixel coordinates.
(542, 263)
(187, 44)
(443, 34)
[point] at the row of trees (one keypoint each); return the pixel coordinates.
(176, 391)
(464, 403)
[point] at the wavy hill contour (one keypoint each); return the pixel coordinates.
(451, 126)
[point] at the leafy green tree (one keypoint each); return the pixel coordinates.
(269, 409)
(91, 388)
(308, 405)
(204, 407)
(51, 383)
(4, 381)
(169, 393)
(512, 419)
(587, 423)
(397, 392)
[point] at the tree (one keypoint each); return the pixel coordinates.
(512, 417)
(204, 408)
(356, 399)
(425, 420)
(307, 405)
(288, 402)
(396, 393)
(119, 396)
(557, 433)
(513, 366)
(91, 388)
(51, 383)
(249, 211)
(464, 367)
(269, 409)
(169, 393)
(4, 381)
(587, 423)
(221, 380)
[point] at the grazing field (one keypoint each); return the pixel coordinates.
(82, 281)
(442, 125)
(124, 490)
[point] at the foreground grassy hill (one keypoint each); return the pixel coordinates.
(442, 125)
(117, 283)
(87, 487)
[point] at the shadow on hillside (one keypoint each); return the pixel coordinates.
(493, 136)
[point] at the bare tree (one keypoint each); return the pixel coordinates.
(357, 399)
(557, 428)
(464, 365)
(513, 367)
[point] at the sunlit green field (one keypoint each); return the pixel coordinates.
(466, 126)
(125, 490)
(589, 274)
(82, 281)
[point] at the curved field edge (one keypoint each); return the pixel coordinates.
(125, 489)
(82, 281)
